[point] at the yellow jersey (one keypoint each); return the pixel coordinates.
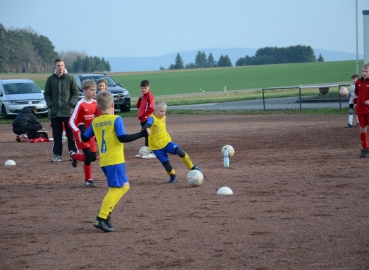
(159, 137)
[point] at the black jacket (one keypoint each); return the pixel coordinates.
(25, 120)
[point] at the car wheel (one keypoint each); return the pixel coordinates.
(125, 108)
(5, 114)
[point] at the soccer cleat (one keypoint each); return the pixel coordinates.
(348, 126)
(196, 168)
(74, 162)
(56, 158)
(89, 183)
(108, 220)
(103, 224)
(172, 178)
(363, 153)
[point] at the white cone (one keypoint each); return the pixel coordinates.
(9, 162)
(224, 191)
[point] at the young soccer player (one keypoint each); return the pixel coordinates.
(102, 85)
(351, 102)
(145, 106)
(361, 102)
(84, 112)
(110, 135)
(161, 143)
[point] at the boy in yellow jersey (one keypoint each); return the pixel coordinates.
(161, 143)
(110, 136)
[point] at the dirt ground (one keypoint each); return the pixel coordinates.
(300, 200)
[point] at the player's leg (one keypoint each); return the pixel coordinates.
(350, 116)
(162, 156)
(185, 158)
(363, 120)
(118, 186)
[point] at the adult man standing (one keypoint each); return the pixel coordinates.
(61, 95)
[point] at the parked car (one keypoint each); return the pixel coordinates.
(122, 98)
(16, 94)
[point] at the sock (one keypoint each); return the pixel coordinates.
(357, 119)
(111, 200)
(350, 119)
(364, 140)
(88, 172)
(186, 160)
(172, 172)
(79, 156)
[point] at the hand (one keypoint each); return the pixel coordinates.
(366, 102)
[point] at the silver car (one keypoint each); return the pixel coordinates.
(18, 93)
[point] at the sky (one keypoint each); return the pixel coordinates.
(144, 28)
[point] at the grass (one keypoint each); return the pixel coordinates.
(182, 87)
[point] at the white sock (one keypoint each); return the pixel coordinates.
(350, 118)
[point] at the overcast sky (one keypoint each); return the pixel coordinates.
(117, 28)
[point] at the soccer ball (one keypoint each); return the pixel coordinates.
(144, 150)
(344, 92)
(230, 150)
(195, 178)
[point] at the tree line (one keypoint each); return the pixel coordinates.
(24, 51)
(263, 56)
(201, 61)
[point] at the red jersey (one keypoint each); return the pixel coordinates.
(362, 95)
(145, 106)
(84, 112)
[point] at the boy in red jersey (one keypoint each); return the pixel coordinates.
(361, 102)
(84, 112)
(145, 106)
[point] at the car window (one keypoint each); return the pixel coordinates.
(21, 88)
(109, 80)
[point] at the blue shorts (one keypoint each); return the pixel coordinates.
(162, 155)
(116, 175)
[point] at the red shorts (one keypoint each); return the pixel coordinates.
(363, 119)
(90, 144)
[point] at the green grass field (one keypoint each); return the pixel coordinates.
(174, 82)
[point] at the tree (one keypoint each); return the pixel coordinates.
(320, 58)
(211, 61)
(178, 63)
(224, 61)
(200, 60)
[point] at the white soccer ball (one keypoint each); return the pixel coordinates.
(9, 163)
(230, 150)
(144, 150)
(195, 178)
(344, 92)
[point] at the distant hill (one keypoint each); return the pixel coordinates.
(127, 64)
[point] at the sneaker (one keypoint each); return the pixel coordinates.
(172, 179)
(357, 125)
(363, 153)
(151, 155)
(18, 138)
(57, 158)
(74, 162)
(138, 156)
(196, 168)
(348, 126)
(89, 183)
(102, 224)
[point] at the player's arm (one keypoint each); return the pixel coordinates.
(149, 123)
(121, 133)
(86, 135)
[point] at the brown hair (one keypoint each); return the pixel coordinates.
(58, 60)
